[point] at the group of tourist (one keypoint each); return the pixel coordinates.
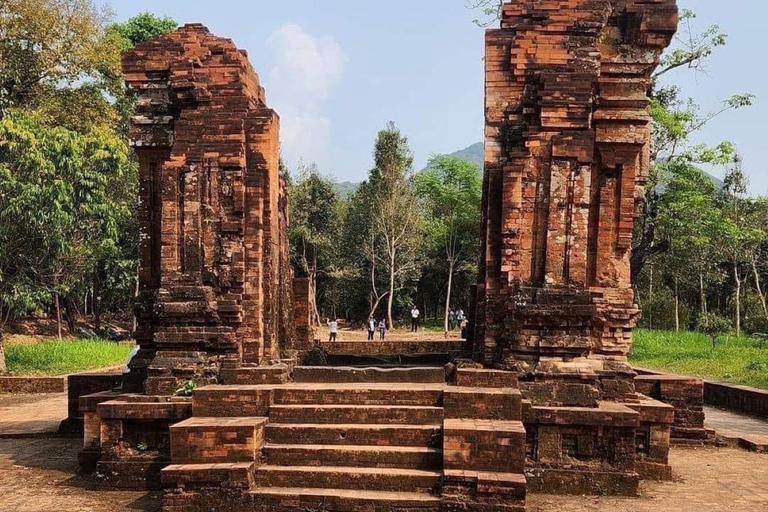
(456, 319)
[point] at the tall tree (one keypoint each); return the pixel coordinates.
(314, 227)
(452, 188)
(58, 209)
(140, 28)
(396, 213)
(54, 57)
(675, 121)
(739, 238)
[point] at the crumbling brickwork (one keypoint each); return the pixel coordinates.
(215, 280)
(567, 157)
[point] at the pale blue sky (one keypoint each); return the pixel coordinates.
(338, 70)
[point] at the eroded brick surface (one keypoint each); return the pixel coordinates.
(215, 278)
(567, 157)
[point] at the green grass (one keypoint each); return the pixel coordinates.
(735, 360)
(63, 357)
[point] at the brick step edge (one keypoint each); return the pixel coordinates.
(378, 435)
(350, 478)
(403, 457)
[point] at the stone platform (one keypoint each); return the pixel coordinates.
(332, 439)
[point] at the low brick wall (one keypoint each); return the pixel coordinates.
(737, 398)
(729, 396)
(33, 385)
(84, 384)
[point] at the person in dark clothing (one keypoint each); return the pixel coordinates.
(415, 314)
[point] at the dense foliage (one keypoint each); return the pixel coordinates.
(68, 180)
(401, 238)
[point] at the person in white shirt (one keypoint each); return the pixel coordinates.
(415, 314)
(333, 329)
(371, 328)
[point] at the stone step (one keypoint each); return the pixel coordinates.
(342, 477)
(355, 435)
(229, 475)
(283, 498)
(357, 414)
(360, 394)
(232, 401)
(335, 374)
(277, 374)
(405, 457)
(217, 440)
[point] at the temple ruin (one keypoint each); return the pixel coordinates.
(219, 411)
(567, 156)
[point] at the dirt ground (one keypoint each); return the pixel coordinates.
(705, 480)
(402, 334)
(37, 475)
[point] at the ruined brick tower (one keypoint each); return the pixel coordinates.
(215, 280)
(567, 157)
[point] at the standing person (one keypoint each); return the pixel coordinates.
(371, 325)
(333, 330)
(382, 329)
(451, 320)
(460, 316)
(415, 314)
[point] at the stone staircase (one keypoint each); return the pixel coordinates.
(371, 440)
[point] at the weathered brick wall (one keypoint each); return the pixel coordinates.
(213, 248)
(566, 159)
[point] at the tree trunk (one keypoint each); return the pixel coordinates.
(96, 298)
(69, 309)
(58, 314)
(376, 305)
(391, 298)
(759, 287)
(703, 293)
(650, 301)
(737, 277)
(135, 298)
(677, 306)
(448, 296)
(3, 368)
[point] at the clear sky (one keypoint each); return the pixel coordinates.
(338, 70)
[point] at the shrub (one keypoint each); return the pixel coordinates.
(714, 325)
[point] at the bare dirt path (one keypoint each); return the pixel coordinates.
(31, 414)
(741, 428)
(38, 475)
(706, 480)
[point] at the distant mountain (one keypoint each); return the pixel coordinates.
(474, 153)
(345, 189)
(717, 181)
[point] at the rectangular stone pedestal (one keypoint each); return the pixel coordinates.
(128, 437)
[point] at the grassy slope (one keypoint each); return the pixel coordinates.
(64, 357)
(735, 360)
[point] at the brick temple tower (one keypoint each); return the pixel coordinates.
(215, 279)
(567, 157)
